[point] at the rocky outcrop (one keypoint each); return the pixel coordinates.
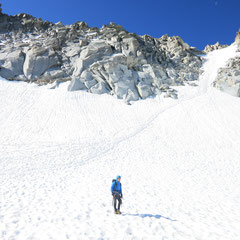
(106, 60)
(22, 23)
(38, 60)
(213, 47)
(12, 64)
(237, 39)
(228, 78)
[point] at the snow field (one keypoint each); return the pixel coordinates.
(179, 162)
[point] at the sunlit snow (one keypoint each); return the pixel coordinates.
(179, 161)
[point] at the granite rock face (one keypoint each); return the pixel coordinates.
(12, 64)
(213, 47)
(237, 39)
(100, 60)
(228, 78)
(37, 61)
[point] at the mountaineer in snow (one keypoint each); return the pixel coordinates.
(116, 190)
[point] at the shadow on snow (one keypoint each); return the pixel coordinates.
(148, 215)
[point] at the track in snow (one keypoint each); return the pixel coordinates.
(179, 162)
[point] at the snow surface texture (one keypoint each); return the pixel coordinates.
(179, 162)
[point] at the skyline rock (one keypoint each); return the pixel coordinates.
(237, 39)
(100, 60)
(213, 47)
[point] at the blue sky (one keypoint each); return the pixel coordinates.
(198, 22)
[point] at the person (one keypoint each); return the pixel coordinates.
(116, 190)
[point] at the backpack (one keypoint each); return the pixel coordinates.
(114, 180)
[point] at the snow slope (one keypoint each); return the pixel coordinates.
(179, 162)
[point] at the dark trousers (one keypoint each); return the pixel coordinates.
(116, 197)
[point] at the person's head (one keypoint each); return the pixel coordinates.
(119, 178)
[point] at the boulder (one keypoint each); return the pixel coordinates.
(38, 60)
(99, 88)
(90, 83)
(144, 90)
(76, 85)
(121, 87)
(95, 51)
(11, 64)
(88, 79)
(130, 96)
(54, 73)
(115, 70)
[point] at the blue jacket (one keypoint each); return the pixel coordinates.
(116, 186)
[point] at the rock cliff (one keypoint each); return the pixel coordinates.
(228, 78)
(213, 47)
(99, 60)
(237, 39)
